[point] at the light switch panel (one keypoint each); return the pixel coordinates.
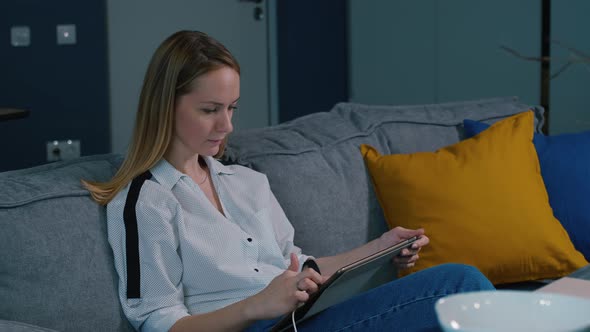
(66, 34)
(20, 36)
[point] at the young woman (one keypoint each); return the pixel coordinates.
(199, 246)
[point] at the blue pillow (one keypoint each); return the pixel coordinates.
(565, 167)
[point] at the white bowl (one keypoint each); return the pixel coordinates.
(513, 311)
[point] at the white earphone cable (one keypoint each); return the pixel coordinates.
(293, 319)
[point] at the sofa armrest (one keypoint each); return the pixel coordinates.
(13, 326)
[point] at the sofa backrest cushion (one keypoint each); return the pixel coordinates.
(316, 170)
(56, 266)
(472, 193)
(564, 161)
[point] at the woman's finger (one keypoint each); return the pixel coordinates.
(408, 252)
(421, 242)
(406, 259)
(301, 296)
(313, 275)
(307, 285)
(294, 266)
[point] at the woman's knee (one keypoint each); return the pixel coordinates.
(466, 277)
(458, 268)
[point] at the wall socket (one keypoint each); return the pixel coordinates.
(63, 150)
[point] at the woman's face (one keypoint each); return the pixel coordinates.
(203, 117)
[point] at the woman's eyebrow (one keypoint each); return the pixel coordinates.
(212, 102)
(218, 103)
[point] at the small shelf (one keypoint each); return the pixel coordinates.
(12, 113)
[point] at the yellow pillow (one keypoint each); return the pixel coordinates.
(481, 201)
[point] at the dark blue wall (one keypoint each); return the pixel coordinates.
(312, 56)
(65, 87)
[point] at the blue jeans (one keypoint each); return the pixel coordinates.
(405, 304)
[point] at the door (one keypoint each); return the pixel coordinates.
(136, 27)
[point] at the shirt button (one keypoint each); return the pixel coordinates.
(256, 270)
(249, 239)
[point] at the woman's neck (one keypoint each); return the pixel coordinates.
(194, 166)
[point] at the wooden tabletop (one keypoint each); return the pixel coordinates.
(12, 113)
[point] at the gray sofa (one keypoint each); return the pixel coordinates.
(56, 268)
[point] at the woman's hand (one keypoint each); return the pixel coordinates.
(408, 256)
(285, 292)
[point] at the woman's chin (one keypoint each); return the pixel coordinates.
(210, 151)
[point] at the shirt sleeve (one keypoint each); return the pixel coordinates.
(161, 300)
(284, 232)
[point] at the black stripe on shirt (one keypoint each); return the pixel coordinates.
(132, 236)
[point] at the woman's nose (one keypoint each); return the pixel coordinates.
(224, 123)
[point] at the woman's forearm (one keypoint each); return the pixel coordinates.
(330, 264)
(235, 317)
(407, 258)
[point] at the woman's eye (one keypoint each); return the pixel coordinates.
(208, 110)
(233, 108)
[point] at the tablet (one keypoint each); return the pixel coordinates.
(350, 280)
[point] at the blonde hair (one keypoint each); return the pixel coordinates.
(176, 63)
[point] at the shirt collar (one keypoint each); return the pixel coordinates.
(216, 167)
(168, 176)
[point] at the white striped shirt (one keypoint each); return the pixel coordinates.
(192, 258)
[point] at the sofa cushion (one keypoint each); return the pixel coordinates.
(55, 253)
(12, 326)
(482, 202)
(565, 167)
(319, 177)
